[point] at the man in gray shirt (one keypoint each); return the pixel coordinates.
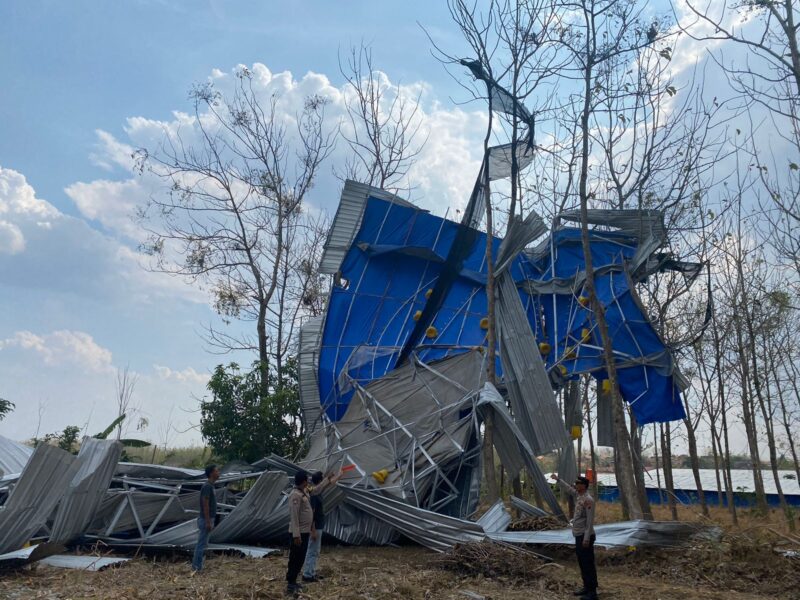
(583, 530)
(208, 514)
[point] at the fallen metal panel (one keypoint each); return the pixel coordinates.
(249, 551)
(625, 533)
(41, 486)
(526, 507)
(353, 526)
(532, 400)
(512, 447)
(143, 471)
(13, 456)
(249, 520)
(23, 556)
(496, 519)
(308, 372)
(97, 461)
(432, 530)
(605, 418)
(82, 562)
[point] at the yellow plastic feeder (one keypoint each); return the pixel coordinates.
(544, 348)
(431, 332)
(563, 370)
(585, 335)
(606, 385)
(576, 432)
(485, 323)
(583, 300)
(380, 476)
(429, 293)
(417, 315)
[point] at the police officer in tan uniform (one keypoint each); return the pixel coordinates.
(583, 530)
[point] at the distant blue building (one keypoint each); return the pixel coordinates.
(686, 487)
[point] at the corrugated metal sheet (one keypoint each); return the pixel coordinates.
(143, 471)
(308, 372)
(512, 448)
(13, 456)
(348, 220)
(249, 551)
(496, 519)
(97, 461)
(249, 520)
(430, 529)
(83, 562)
(626, 533)
(34, 498)
(532, 400)
(526, 507)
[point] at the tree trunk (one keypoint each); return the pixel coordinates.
(765, 403)
(724, 413)
(695, 462)
(588, 416)
(666, 451)
(638, 464)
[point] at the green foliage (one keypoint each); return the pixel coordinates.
(6, 406)
(107, 431)
(238, 423)
(69, 438)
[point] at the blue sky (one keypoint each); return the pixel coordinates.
(86, 82)
(75, 304)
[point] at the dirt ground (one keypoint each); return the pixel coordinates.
(746, 564)
(413, 572)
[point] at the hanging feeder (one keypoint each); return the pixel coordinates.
(606, 385)
(544, 348)
(485, 323)
(585, 335)
(428, 293)
(576, 432)
(583, 300)
(417, 315)
(431, 332)
(380, 476)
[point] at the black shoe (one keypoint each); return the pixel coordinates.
(580, 592)
(291, 590)
(313, 579)
(589, 596)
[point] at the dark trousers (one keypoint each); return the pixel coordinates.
(586, 563)
(297, 556)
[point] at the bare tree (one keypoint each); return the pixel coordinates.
(124, 386)
(234, 214)
(383, 124)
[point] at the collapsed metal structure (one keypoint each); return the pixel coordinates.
(393, 388)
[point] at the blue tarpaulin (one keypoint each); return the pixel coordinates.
(394, 263)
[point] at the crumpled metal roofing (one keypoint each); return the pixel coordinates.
(432, 530)
(39, 489)
(526, 507)
(496, 519)
(83, 562)
(249, 519)
(13, 456)
(625, 533)
(97, 460)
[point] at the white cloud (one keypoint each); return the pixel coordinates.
(112, 203)
(111, 153)
(188, 375)
(75, 348)
(443, 175)
(11, 239)
(18, 198)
